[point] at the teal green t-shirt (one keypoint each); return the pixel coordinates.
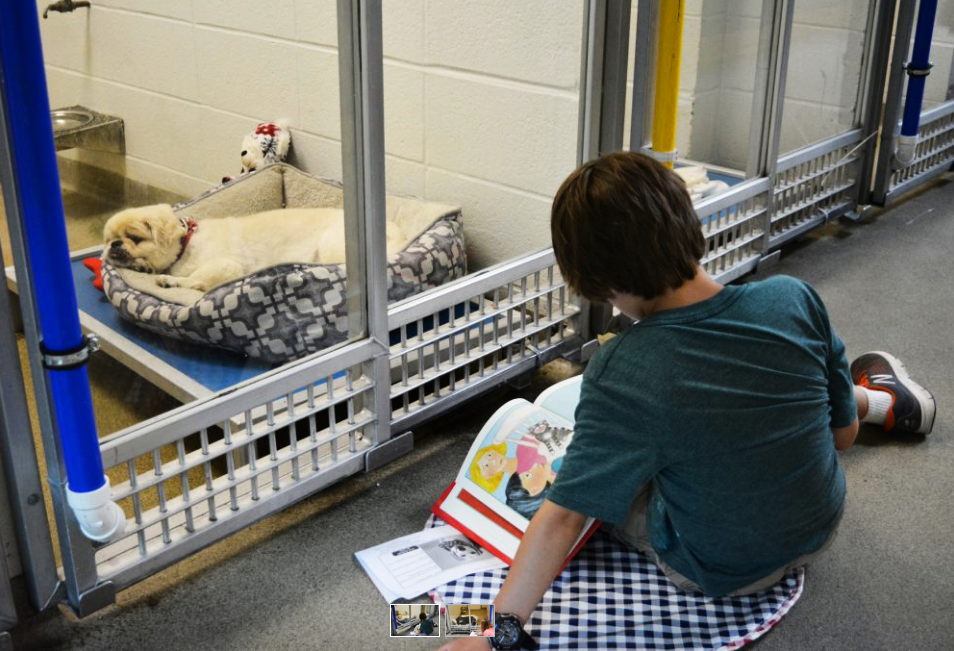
(727, 407)
(427, 626)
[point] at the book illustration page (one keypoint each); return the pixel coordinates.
(414, 564)
(518, 456)
(562, 398)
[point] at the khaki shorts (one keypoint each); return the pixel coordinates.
(633, 533)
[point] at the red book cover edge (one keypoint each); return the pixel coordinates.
(486, 511)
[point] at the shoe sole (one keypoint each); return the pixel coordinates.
(924, 397)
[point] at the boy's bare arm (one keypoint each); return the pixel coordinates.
(541, 554)
(845, 436)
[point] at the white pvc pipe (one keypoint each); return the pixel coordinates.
(906, 148)
(99, 517)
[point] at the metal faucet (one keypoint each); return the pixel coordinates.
(64, 6)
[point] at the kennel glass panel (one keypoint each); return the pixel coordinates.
(825, 71)
(208, 162)
(481, 112)
(718, 78)
(199, 441)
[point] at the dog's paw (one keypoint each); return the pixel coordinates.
(185, 282)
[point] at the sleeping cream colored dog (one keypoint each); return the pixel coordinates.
(201, 255)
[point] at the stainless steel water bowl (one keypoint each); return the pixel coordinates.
(64, 120)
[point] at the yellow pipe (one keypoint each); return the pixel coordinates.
(668, 60)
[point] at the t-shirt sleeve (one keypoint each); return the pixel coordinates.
(611, 456)
(841, 392)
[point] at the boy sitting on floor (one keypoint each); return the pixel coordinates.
(706, 433)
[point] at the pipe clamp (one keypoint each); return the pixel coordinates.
(70, 359)
(663, 156)
(918, 72)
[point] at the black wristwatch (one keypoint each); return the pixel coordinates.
(509, 634)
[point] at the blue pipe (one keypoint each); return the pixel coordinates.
(37, 178)
(918, 67)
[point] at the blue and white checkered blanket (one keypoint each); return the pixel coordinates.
(612, 597)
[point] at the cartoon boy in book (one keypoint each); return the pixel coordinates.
(527, 490)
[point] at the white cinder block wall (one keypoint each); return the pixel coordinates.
(481, 99)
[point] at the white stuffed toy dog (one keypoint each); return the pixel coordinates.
(268, 143)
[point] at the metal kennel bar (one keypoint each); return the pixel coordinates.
(602, 105)
(17, 448)
(735, 225)
(211, 468)
(488, 328)
(815, 185)
(361, 72)
(933, 154)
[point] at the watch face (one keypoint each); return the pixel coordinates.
(507, 632)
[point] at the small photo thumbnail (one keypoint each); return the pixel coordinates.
(469, 620)
(415, 620)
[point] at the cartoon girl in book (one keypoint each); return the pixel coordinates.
(535, 443)
(493, 462)
(489, 466)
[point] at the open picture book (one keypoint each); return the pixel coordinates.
(509, 470)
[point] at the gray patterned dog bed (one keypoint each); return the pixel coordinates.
(288, 311)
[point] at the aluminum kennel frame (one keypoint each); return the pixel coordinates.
(214, 466)
(934, 153)
(785, 196)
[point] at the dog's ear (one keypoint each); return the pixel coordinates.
(163, 225)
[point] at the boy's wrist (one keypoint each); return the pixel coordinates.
(509, 634)
(503, 610)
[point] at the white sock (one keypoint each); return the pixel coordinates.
(879, 402)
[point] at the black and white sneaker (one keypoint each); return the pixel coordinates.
(912, 406)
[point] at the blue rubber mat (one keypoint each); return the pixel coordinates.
(212, 368)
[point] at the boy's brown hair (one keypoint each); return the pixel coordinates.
(625, 223)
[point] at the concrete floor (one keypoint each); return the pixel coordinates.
(291, 582)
